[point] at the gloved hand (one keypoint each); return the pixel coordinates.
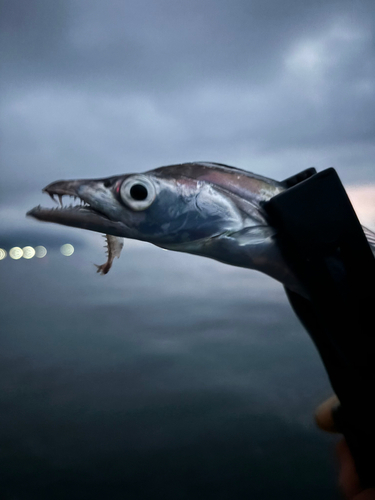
(348, 478)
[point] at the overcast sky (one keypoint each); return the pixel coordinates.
(93, 88)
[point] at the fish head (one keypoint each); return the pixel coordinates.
(201, 208)
(171, 206)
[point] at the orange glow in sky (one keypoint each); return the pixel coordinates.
(363, 201)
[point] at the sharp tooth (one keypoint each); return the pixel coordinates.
(52, 196)
(60, 196)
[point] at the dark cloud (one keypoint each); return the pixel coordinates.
(96, 88)
(163, 46)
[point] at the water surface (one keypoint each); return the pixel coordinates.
(172, 376)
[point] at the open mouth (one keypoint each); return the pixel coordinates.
(82, 203)
(77, 206)
(77, 212)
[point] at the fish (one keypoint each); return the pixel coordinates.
(202, 208)
(113, 246)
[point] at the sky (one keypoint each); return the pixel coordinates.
(94, 88)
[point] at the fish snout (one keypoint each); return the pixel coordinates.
(62, 188)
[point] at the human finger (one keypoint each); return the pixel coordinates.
(324, 414)
(348, 479)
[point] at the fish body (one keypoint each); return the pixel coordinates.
(207, 209)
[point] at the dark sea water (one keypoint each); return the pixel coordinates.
(172, 377)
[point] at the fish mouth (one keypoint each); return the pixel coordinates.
(79, 213)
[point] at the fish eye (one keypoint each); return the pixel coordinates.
(138, 192)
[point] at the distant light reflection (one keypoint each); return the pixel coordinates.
(40, 252)
(28, 252)
(15, 253)
(67, 249)
(3, 253)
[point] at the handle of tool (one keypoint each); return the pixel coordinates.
(323, 242)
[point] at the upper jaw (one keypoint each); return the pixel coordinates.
(67, 188)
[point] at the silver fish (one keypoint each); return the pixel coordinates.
(207, 209)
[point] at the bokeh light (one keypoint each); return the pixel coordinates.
(40, 252)
(15, 253)
(28, 252)
(67, 249)
(3, 253)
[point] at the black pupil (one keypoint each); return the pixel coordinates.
(138, 192)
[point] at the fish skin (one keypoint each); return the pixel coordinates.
(207, 209)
